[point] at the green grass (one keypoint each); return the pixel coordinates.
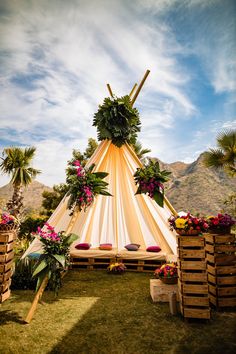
(101, 313)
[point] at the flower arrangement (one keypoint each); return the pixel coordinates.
(7, 221)
(55, 256)
(84, 185)
(117, 121)
(220, 223)
(188, 224)
(167, 273)
(116, 268)
(150, 181)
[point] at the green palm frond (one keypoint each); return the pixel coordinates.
(226, 141)
(214, 158)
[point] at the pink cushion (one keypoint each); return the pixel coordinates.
(83, 246)
(132, 247)
(153, 249)
(105, 246)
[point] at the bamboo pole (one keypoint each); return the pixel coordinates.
(109, 89)
(36, 300)
(140, 87)
(132, 91)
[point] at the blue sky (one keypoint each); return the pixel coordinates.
(57, 56)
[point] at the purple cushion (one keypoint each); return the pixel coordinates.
(132, 247)
(83, 246)
(153, 249)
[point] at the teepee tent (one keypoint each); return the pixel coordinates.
(122, 218)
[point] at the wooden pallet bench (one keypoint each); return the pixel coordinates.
(221, 269)
(91, 263)
(192, 282)
(137, 265)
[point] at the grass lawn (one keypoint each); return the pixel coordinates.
(101, 313)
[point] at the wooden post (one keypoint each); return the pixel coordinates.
(140, 87)
(36, 300)
(109, 89)
(173, 303)
(132, 91)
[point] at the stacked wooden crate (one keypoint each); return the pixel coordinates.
(221, 268)
(6, 260)
(192, 282)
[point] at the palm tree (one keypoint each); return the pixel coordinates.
(16, 162)
(138, 149)
(224, 156)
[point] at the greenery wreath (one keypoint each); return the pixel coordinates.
(117, 121)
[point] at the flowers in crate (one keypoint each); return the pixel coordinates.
(168, 270)
(220, 222)
(117, 267)
(150, 181)
(55, 256)
(188, 223)
(6, 219)
(84, 185)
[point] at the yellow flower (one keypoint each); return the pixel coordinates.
(180, 223)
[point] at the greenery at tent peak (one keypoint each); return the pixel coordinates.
(117, 121)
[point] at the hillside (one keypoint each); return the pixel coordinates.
(32, 195)
(192, 187)
(197, 189)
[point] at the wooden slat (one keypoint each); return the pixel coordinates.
(190, 241)
(229, 280)
(4, 258)
(219, 259)
(186, 253)
(193, 277)
(194, 288)
(212, 289)
(227, 302)
(192, 265)
(6, 247)
(214, 238)
(195, 301)
(221, 269)
(5, 296)
(227, 291)
(5, 276)
(197, 313)
(220, 248)
(7, 236)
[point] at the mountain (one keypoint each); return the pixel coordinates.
(192, 187)
(197, 189)
(32, 195)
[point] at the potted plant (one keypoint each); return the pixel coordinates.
(188, 225)
(55, 257)
(220, 224)
(116, 268)
(167, 273)
(150, 181)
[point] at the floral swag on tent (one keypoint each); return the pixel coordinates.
(150, 181)
(84, 185)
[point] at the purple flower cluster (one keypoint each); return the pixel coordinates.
(220, 221)
(151, 186)
(79, 169)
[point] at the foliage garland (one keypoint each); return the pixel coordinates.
(117, 121)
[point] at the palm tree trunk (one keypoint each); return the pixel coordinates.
(15, 204)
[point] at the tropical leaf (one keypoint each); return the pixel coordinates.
(60, 258)
(43, 264)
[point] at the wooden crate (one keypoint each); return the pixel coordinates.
(5, 266)
(221, 268)
(192, 283)
(5, 286)
(160, 292)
